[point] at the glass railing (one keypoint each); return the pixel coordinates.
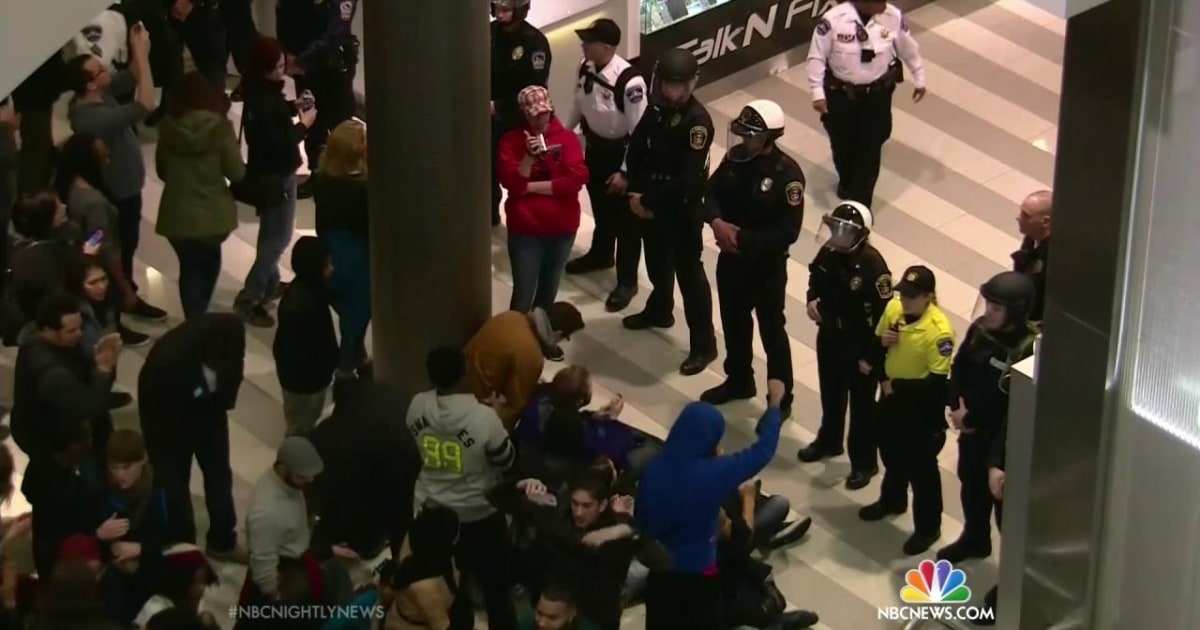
(659, 14)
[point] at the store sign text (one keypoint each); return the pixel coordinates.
(732, 37)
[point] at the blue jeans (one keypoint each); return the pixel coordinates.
(537, 267)
(352, 300)
(199, 268)
(275, 226)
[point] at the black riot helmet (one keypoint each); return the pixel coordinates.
(846, 228)
(756, 128)
(676, 67)
(520, 9)
(1014, 292)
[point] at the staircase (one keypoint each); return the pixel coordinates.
(32, 30)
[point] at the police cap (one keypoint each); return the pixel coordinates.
(676, 66)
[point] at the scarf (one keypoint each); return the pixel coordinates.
(543, 330)
(137, 497)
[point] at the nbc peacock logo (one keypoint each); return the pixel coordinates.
(935, 583)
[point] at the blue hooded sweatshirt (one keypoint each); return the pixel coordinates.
(680, 493)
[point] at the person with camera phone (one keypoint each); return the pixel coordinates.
(273, 136)
(541, 165)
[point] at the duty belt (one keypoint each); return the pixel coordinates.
(599, 141)
(852, 91)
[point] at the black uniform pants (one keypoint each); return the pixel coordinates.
(334, 95)
(203, 33)
(482, 554)
(673, 248)
(842, 383)
(744, 286)
(977, 500)
(616, 226)
(910, 440)
(858, 125)
(238, 19)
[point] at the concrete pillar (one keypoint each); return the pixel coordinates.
(427, 73)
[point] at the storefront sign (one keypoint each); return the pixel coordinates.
(738, 34)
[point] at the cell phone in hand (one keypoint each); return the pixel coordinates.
(307, 101)
(544, 498)
(96, 238)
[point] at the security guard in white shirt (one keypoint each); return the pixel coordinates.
(853, 70)
(610, 98)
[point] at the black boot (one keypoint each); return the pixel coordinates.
(619, 299)
(696, 361)
(964, 549)
(989, 606)
(645, 319)
(919, 542)
(588, 263)
(797, 619)
(728, 391)
(816, 452)
(859, 479)
(879, 510)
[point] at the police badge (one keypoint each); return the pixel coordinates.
(855, 283)
(518, 52)
(675, 120)
(766, 184)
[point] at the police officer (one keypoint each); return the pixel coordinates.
(520, 58)
(852, 71)
(668, 173)
(1000, 336)
(912, 422)
(322, 56)
(755, 205)
(1034, 224)
(610, 98)
(849, 285)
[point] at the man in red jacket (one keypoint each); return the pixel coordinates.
(540, 164)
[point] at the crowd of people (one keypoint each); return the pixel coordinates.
(516, 494)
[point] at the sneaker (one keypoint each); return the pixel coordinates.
(256, 316)
(790, 533)
(143, 310)
(118, 400)
(131, 338)
(555, 354)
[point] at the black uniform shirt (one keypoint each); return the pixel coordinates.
(980, 374)
(318, 33)
(764, 197)
(853, 289)
(668, 157)
(519, 59)
(1031, 261)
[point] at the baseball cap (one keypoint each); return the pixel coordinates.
(917, 280)
(604, 31)
(534, 100)
(300, 457)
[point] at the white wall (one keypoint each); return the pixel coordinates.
(32, 30)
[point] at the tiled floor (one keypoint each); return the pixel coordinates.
(956, 168)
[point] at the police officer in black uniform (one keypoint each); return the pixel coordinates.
(323, 58)
(999, 337)
(520, 58)
(849, 284)
(755, 205)
(668, 174)
(1034, 222)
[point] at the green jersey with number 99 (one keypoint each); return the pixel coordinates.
(464, 448)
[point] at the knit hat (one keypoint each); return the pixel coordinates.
(80, 547)
(187, 559)
(300, 457)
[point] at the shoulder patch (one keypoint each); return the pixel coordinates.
(698, 137)
(538, 60)
(883, 286)
(945, 346)
(823, 27)
(635, 94)
(347, 10)
(795, 193)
